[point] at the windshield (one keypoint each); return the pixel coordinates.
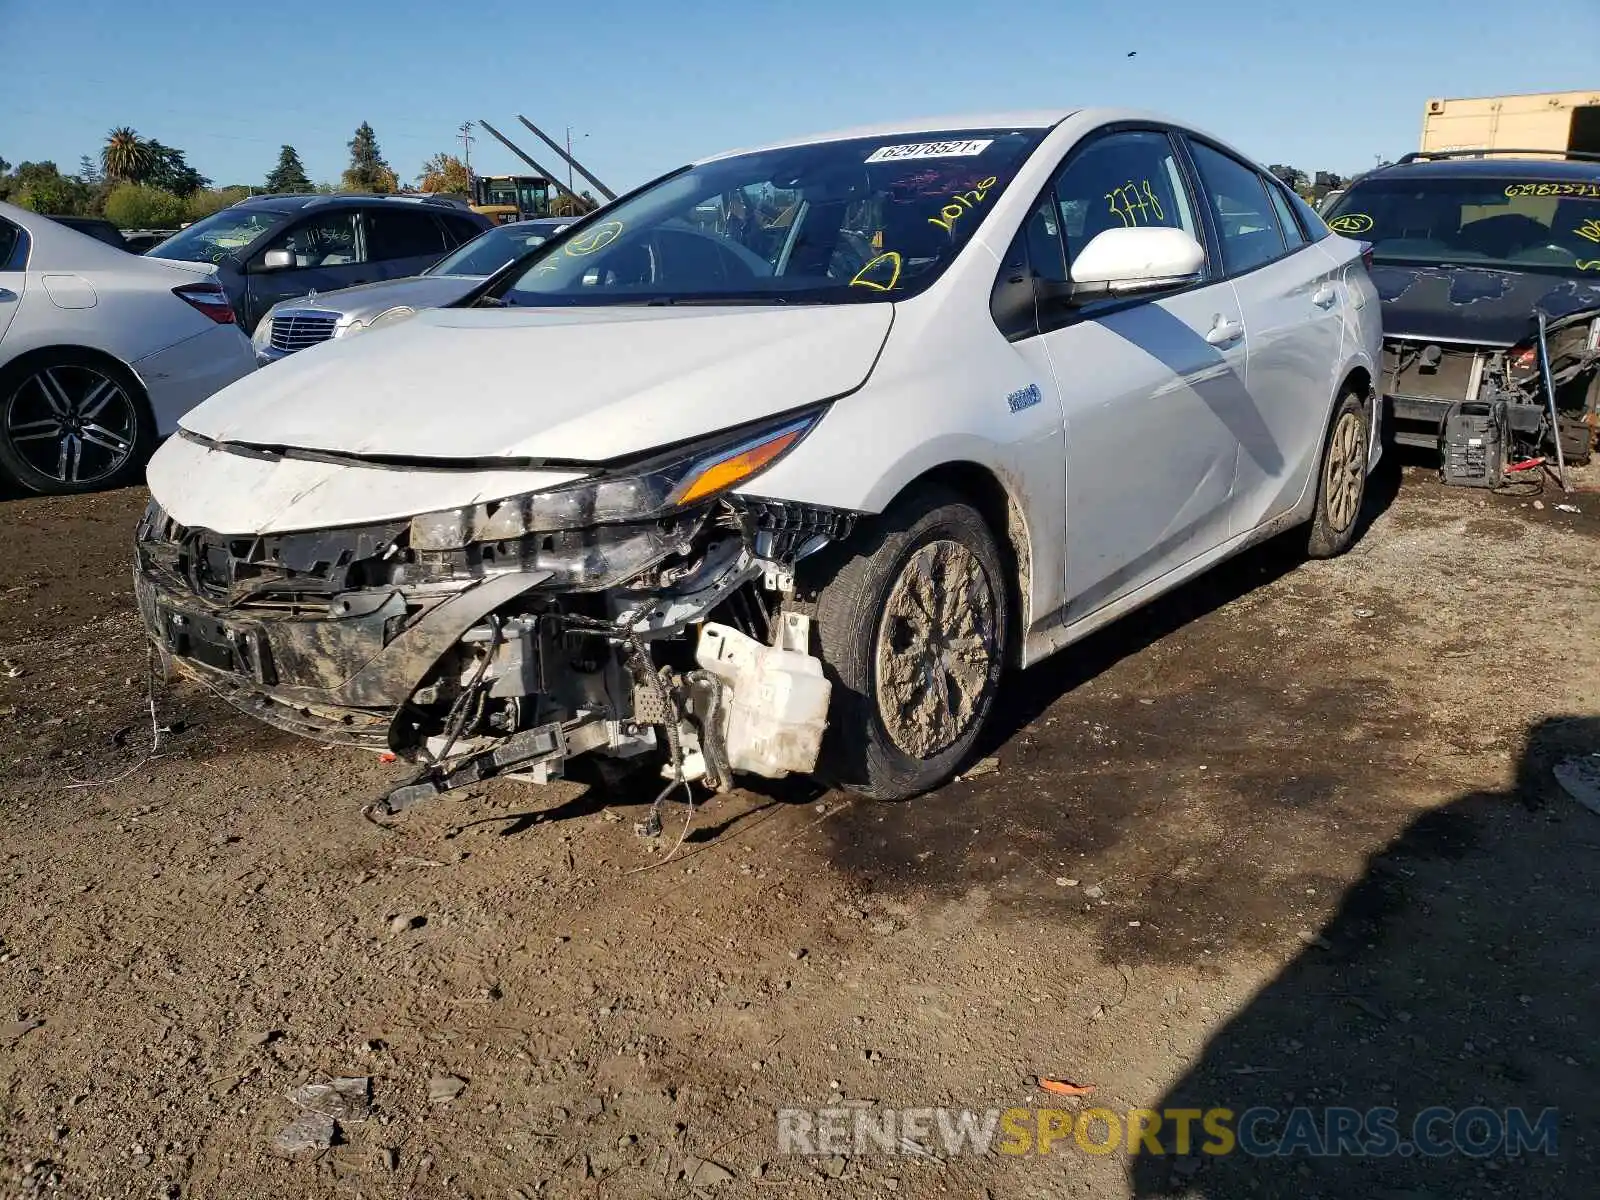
(1517, 222)
(865, 219)
(488, 252)
(218, 236)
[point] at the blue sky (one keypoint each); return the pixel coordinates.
(654, 84)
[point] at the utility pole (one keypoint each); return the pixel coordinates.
(464, 136)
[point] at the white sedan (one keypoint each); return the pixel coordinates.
(101, 351)
(778, 463)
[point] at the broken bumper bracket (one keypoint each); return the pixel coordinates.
(547, 743)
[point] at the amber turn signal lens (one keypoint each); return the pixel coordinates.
(726, 472)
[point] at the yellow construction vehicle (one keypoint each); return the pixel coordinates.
(507, 198)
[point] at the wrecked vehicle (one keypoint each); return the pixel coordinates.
(1488, 266)
(777, 463)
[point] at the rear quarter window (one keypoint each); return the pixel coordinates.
(10, 245)
(1313, 226)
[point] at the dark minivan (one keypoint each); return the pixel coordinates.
(269, 248)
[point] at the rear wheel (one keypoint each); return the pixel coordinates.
(71, 422)
(1341, 480)
(913, 633)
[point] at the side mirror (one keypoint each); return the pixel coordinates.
(277, 260)
(1136, 261)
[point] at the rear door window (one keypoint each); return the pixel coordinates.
(1291, 228)
(1246, 219)
(402, 233)
(459, 230)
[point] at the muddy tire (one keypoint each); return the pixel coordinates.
(73, 422)
(912, 625)
(1341, 480)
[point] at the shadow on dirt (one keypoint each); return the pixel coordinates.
(1459, 973)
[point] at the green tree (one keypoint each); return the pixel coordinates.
(171, 172)
(125, 156)
(368, 172)
(445, 173)
(61, 196)
(42, 188)
(564, 206)
(290, 173)
(134, 206)
(211, 200)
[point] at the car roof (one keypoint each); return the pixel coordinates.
(293, 201)
(1495, 166)
(1038, 118)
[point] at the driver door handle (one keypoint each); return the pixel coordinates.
(1224, 331)
(1324, 296)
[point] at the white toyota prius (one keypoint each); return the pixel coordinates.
(778, 463)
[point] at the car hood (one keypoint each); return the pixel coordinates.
(367, 300)
(580, 384)
(1480, 305)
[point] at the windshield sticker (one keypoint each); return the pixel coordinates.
(1134, 202)
(1591, 190)
(963, 149)
(960, 203)
(1024, 398)
(889, 262)
(591, 241)
(1351, 223)
(1589, 231)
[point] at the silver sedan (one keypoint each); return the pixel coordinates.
(292, 325)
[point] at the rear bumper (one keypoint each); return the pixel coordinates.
(180, 377)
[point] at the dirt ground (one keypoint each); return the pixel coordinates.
(1287, 837)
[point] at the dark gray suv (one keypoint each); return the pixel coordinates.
(268, 248)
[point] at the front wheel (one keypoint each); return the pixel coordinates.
(72, 423)
(1341, 480)
(913, 630)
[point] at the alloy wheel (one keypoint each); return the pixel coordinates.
(937, 649)
(75, 425)
(1346, 472)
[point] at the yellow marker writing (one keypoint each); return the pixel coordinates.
(893, 258)
(593, 240)
(1351, 223)
(960, 203)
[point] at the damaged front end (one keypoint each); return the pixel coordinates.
(644, 610)
(1486, 407)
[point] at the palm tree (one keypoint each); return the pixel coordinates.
(126, 156)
